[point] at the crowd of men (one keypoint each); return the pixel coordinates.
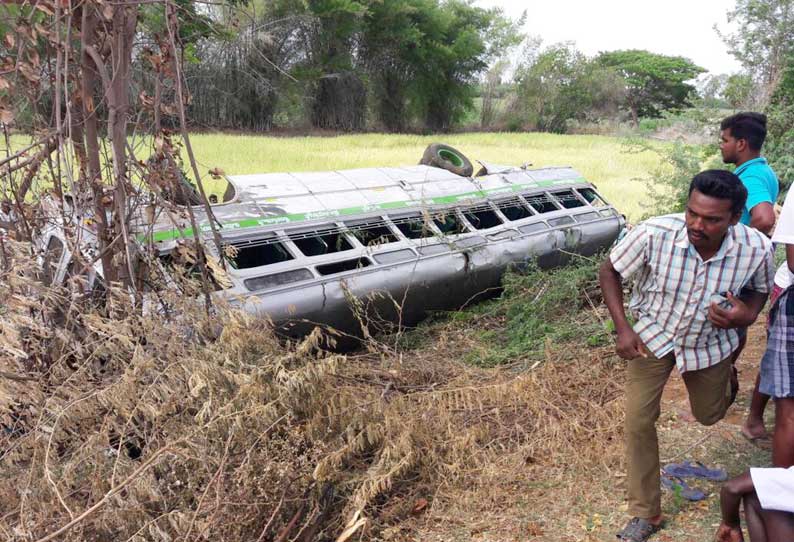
(700, 279)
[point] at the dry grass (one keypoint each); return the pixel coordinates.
(129, 427)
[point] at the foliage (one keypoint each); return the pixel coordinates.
(559, 84)
(543, 308)
(118, 425)
(493, 92)
(668, 185)
(711, 91)
(415, 61)
(738, 90)
(654, 83)
(457, 50)
(762, 41)
(779, 148)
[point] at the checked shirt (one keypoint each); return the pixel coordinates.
(674, 286)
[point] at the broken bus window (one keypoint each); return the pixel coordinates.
(317, 243)
(513, 209)
(449, 223)
(345, 265)
(258, 252)
(482, 217)
(568, 199)
(413, 227)
(592, 197)
(372, 234)
(541, 203)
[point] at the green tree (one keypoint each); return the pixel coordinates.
(457, 46)
(654, 83)
(560, 84)
(763, 41)
(712, 91)
(779, 148)
(392, 41)
(738, 89)
(339, 97)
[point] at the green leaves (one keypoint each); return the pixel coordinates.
(654, 83)
(559, 84)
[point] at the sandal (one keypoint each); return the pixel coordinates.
(637, 530)
(688, 469)
(677, 485)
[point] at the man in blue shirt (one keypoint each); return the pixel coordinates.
(741, 137)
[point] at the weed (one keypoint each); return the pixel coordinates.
(668, 186)
(543, 307)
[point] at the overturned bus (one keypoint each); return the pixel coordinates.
(384, 245)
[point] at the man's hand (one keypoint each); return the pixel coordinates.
(726, 533)
(739, 315)
(630, 346)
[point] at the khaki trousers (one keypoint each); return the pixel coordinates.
(709, 397)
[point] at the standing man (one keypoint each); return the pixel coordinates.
(699, 277)
(776, 376)
(741, 137)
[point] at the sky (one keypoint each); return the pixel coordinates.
(670, 27)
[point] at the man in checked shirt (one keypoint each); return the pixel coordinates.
(700, 276)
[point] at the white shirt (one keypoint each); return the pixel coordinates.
(783, 278)
(784, 233)
(775, 488)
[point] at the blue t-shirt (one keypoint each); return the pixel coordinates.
(761, 183)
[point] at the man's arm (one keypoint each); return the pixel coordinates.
(762, 217)
(731, 496)
(744, 310)
(628, 344)
(730, 530)
(760, 203)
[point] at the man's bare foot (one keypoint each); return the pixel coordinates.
(754, 430)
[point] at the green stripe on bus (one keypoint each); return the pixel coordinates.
(168, 235)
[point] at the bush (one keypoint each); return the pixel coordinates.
(543, 307)
(779, 147)
(668, 185)
(780, 153)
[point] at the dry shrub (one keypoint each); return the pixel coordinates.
(118, 425)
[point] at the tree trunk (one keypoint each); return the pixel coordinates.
(90, 79)
(123, 31)
(391, 105)
(340, 102)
